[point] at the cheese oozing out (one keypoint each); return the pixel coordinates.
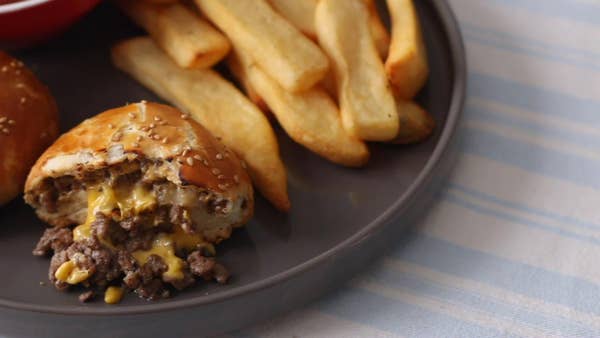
(131, 201)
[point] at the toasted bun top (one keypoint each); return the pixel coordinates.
(148, 131)
(28, 124)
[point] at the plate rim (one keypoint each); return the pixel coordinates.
(451, 28)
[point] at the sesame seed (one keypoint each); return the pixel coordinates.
(215, 171)
(156, 137)
(205, 162)
(152, 125)
(185, 152)
(135, 145)
(144, 128)
(117, 136)
(244, 164)
(221, 177)
(219, 156)
(139, 138)
(3, 119)
(162, 123)
(111, 126)
(5, 130)
(198, 157)
(19, 85)
(23, 99)
(156, 118)
(236, 178)
(164, 140)
(185, 116)
(131, 115)
(11, 122)
(190, 161)
(4, 69)
(222, 187)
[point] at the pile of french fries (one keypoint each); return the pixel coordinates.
(329, 72)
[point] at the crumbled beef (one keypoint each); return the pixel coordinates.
(55, 239)
(221, 275)
(187, 280)
(152, 290)
(100, 261)
(87, 296)
(201, 266)
(57, 260)
(104, 227)
(141, 241)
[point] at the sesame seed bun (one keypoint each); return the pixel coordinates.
(172, 148)
(28, 124)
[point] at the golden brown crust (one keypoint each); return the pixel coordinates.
(149, 130)
(28, 124)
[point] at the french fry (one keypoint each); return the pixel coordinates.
(300, 13)
(282, 51)
(215, 103)
(378, 30)
(311, 118)
(251, 93)
(416, 123)
(189, 40)
(366, 101)
(406, 64)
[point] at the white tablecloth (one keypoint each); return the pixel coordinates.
(512, 246)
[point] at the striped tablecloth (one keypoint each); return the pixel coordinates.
(512, 246)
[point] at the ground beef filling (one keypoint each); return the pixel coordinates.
(116, 266)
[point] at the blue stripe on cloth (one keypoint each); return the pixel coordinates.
(449, 197)
(395, 279)
(535, 99)
(523, 208)
(567, 9)
(517, 277)
(523, 41)
(401, 318)
(531, 157)
(556, 57)
(584, 140)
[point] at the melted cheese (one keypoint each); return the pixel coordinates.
(113, 295)
(163, 246)
(70, 273)
(105, 199)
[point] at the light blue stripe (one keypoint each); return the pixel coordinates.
(449, 197)
(471, 36)
(531, 157)
(401, 318)
(510, 312)
(517, 277)
(582, 139)
(522, 208)
(528, 97)
(559, 8)
(525, 41)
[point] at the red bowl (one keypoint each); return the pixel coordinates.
(27, 22)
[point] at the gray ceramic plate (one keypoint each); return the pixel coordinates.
(341, 218)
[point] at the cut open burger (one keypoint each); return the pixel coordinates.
(137, 197)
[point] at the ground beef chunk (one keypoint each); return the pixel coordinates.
(187, 280)
(104, 227)
(153, 268)
(57, 260)
(47, 200)
(141, 241)
(221, 275)
(155, 289)
(87, 296)
(55, 239)
(201, 266)
(100, 261)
